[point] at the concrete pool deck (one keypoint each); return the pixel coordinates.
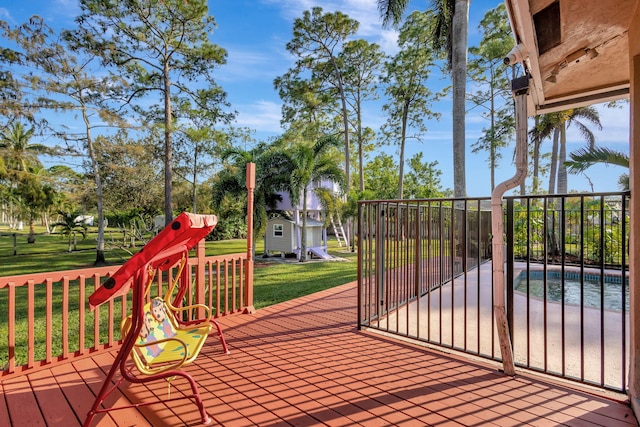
(460, 317)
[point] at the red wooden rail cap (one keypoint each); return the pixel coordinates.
(161, 252)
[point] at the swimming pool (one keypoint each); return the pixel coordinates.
(572, 285)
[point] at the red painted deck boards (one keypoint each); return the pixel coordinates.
(304, 363)
(77, 393)
(5, 420)
(51, 400)
(22, 403)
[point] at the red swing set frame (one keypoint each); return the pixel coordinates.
(169, 247)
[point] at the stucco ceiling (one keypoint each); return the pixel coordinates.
(583, 61)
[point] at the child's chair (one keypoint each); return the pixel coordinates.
(155, 336)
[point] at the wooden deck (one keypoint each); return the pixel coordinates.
(304, 363)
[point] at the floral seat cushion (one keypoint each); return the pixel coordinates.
(162, 340)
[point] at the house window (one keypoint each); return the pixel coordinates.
(278, 230)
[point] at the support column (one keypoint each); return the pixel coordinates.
(634, 182)
(520, 87)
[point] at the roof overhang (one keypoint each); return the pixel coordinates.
(576, 51)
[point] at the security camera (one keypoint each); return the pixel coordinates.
(518, 54)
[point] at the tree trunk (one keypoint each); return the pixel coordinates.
(32, 232)
(459, 79)
(168, 148)
(554, 162)
(95, 167)
(535, 184)
(303, 237)
(45, 220)
(403, 137)
(100, 258)
(562, 157)
(345, 123)
(360, 148)
(195, 179)
(492, 147)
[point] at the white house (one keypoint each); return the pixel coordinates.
(284, 235)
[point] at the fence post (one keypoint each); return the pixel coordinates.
(248, 277)
(380, 257)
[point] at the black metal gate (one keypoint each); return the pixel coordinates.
(425, 273)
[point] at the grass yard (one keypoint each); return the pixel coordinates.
(50, 253)
(275, 281)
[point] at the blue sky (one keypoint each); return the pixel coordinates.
(255, 32)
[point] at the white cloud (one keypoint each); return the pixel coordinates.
(5, 15)
(65, 3)
(475, 118)
(57, 14)
(263, 116)
(246, 64)
(364, 11)
(615, 128)
(388, 41)
(438, 136)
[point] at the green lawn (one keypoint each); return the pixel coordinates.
(273, 281)
(50, 252)
(277, 282)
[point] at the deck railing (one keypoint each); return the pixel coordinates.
(425, 273)
(47, 317)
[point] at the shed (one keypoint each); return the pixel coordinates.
(284, 235)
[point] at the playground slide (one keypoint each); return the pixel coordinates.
(320, 253)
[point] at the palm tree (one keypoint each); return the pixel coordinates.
(450, 35)
(535, 156)
(21, 160)
(35, 198)
(585, 157)
(3, 169)
(547, 125)
(20, 155)
(70, 226)
(272, 175)
(556, 124)
(311, 163)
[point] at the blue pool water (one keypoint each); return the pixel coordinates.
(592, 288)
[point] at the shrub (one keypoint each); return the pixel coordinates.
(229, 228)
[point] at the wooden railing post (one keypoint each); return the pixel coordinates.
(200, 280)
(248, 277)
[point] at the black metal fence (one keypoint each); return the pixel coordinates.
(407, 251)
(425, 273)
